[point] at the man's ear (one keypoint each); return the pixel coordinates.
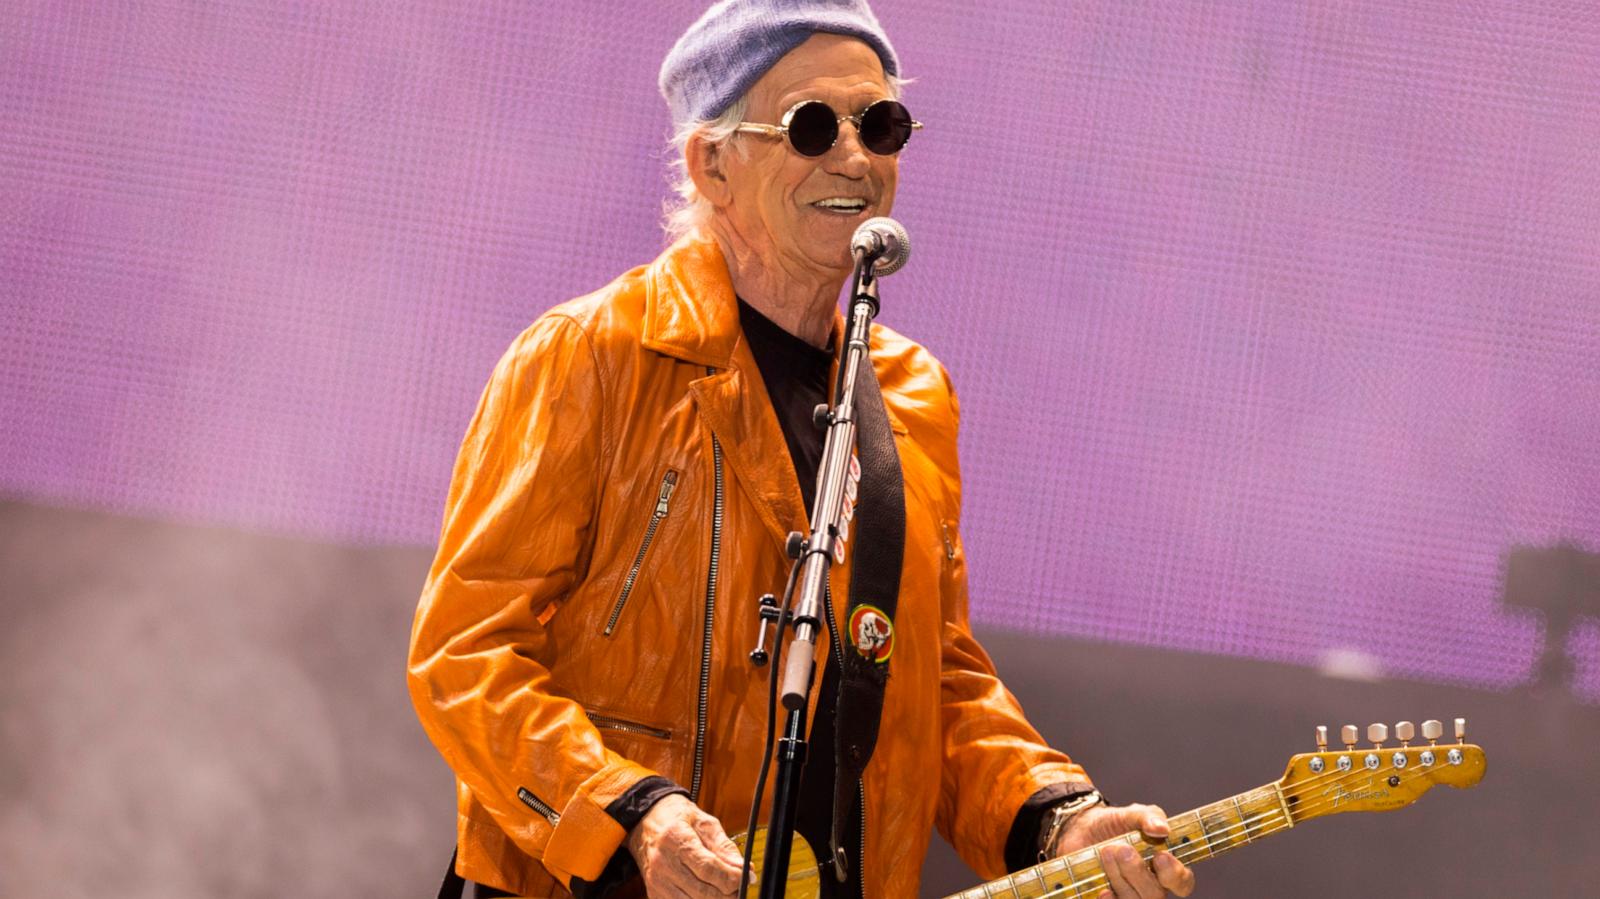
(705, 161)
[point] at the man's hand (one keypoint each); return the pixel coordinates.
(683, 852)
(1130, 877)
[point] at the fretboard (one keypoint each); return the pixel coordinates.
(1194, 836)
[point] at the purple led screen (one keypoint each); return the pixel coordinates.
(1276, 324)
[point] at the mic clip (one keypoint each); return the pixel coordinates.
(770, 614)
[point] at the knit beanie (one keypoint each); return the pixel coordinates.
(735, 42)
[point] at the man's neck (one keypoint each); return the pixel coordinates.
(800, 300)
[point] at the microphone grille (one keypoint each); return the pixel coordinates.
(896, 244)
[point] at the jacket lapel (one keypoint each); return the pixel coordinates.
(691, 313)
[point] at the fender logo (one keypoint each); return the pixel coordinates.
(1340, 794)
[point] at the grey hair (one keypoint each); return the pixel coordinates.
(687, 210)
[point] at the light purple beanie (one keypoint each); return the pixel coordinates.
(736, 41)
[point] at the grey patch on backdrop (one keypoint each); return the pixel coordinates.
(193, 711)
(208, 713)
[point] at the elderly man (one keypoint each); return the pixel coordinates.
(581, 650)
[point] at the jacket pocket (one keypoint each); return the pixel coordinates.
(669, 483)
(622, 725)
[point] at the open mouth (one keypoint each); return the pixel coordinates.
(845, 206)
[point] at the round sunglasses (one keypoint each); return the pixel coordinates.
(812, 127)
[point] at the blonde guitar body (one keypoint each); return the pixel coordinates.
(803, 873)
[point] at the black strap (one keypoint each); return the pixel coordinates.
(453, 887)
(879, 526)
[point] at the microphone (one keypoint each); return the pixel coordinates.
(884, 241)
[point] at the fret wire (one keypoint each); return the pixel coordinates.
(1277, 790)
(1094, 880)
(1038, 871)
(1072, 877)
(1262, 823)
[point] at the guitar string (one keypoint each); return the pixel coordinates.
(1099, 879)
(1256, 824)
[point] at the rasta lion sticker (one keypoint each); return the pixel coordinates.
(872, 633)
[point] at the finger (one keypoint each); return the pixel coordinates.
(1114, 876)
(1153, 822)
(714, 838)
(1173, 874)
(709, 867)
(697, 875)
(1148, 819)
(1127, 873)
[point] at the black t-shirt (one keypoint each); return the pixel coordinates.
(796, 376)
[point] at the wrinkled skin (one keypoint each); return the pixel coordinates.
(1130, 877)
(789, 259)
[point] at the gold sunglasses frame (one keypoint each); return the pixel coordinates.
(782, 131)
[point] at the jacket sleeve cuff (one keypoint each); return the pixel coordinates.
(586, 835)
(1022, 843)
(627, 810)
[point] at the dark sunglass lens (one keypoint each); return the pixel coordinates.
(885, 127)
(812, 128)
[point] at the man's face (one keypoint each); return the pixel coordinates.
(775, 192)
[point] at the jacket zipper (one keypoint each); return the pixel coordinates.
(669, 483)
(861, 786)
(538, 805)
(710, 610)
(628, 727)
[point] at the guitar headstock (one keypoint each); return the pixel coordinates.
(1376, 777)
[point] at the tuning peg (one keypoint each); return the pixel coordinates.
(1322, 738)
(1350, 735)
(1432, 730)
(1405, 732)
(1377, 733)
(1461, 730)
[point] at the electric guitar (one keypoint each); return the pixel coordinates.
(1355, 779)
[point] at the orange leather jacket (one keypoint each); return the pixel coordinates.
(620, 502)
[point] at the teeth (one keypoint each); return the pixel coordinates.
(841, 203)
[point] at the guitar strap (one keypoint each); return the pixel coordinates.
(454, 886)
(867, 642)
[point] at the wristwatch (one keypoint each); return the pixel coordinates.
(1061, 815)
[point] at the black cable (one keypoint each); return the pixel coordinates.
(859, 280)
(772, 720)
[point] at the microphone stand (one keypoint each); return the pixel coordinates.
(814, 557)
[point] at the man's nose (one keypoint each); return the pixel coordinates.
(847, 156)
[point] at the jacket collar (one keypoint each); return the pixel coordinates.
(690, 309)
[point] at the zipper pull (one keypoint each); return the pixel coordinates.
(669, 483)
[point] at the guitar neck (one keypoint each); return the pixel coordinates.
(1195, 835)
